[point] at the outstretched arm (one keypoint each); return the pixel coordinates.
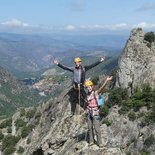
(94, 64)
(62, 66)
(109, 78)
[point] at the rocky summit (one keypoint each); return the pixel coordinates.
(56, 133)
(49, 130)
(137, 62)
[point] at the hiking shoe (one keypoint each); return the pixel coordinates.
(71, 114)
(90, 144)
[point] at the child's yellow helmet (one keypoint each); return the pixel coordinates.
(88, 83)
(77, 60)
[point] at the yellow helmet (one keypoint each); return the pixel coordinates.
(88, 83)
(77, 60)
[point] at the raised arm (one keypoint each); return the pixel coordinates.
(62, 66)
(109, 78)
(94, 64)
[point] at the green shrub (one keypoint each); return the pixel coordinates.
(37, 121)
(6, 123)
(104, 111)
(128, 153)
(31, 126)
(126, 106)
(132, 116)
(20, 123)
(143, 152)
(141, 97)
(140, 115)
(9, 129)
(148, 95)
(107, 122)
(28, 141)
(38, 115)
(149, 141)
(137, 104)
(26, 130)
(8, 141)
(1, 135)
(30, 114)
(137, 95)
(146, 120)
(20, 150)
(9, 150)
(124, 109)
(152, 116)
(150, 37)
(117, 96)
(22, 112)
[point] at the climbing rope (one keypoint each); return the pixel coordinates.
(79, 98)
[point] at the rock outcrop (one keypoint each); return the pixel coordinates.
(55, 133)
(48, 129)
(137, 62)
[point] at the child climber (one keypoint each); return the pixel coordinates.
(92, 111)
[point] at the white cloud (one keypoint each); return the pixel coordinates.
(104, 27)
(112, 27)
(70, 28)
(145, 25)
(15, 23)
(121, 25)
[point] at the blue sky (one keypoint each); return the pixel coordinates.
(107, 16)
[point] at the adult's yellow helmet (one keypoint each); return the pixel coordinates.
(77, 60)
(88, 83)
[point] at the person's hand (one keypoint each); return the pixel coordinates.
(55, 61)
(109, 78)
(102, 59)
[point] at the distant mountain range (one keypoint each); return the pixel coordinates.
(14, 95)
(108, 41)
(22, 54)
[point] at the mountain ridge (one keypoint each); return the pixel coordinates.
(14, 95)
(31, 53)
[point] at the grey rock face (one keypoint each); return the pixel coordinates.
(58, 134)
(137, 62)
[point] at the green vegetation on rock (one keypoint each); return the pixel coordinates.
(6, 123)
(9, 142)
(150, 37)
(20, 150)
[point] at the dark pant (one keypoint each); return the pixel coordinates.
(94, 122)
(74, 98)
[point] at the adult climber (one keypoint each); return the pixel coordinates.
(92, 111)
